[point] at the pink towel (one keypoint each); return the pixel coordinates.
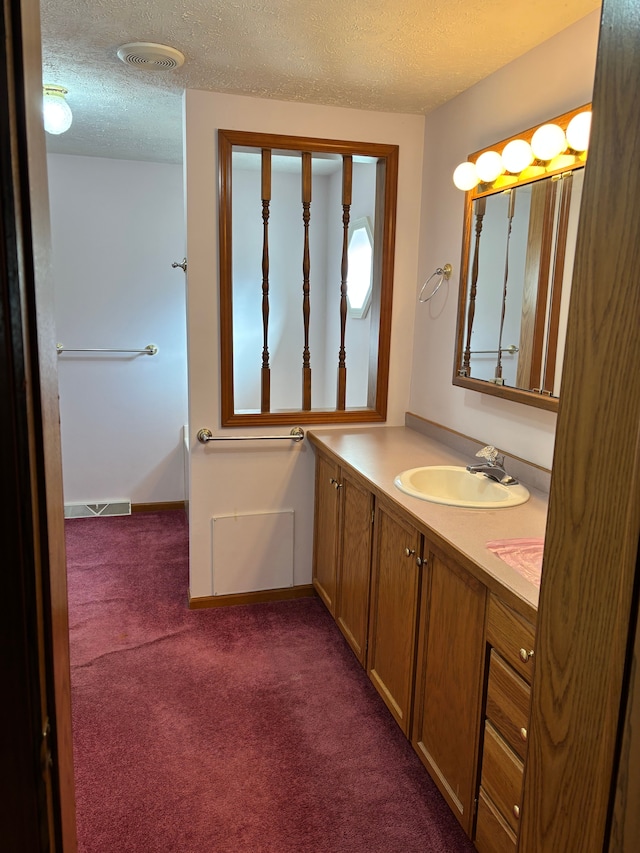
(523, 555)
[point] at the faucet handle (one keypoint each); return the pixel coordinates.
(489, 453)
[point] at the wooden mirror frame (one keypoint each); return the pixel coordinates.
(382, 295)
(529, 398)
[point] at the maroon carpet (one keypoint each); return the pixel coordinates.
(222, 731)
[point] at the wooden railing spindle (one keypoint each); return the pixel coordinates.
(347, 185)
(510, 214)
(480, 210)
(306, 307)
(265, 375)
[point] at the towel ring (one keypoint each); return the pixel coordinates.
(444, 273)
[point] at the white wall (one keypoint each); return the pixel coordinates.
(285, 332)
(116, 228)
(357, 331)
(549, 80)
(228, 479)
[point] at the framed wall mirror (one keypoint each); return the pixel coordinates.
(521, 216)
(307, 240)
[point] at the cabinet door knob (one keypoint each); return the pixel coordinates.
(335, 483)
(523, 734)
(525, 656)
(516, 812)
(409, 552)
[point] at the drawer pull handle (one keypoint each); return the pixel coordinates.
(523, 734)
(525, 656)
(516, 812)
(409, 552)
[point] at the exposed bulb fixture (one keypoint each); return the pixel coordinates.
(466, 177)
(517, 155)
(552, 148)
(56, 111)
(548, 141)
(578, 131)
(489, 166)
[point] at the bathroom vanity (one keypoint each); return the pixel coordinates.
(444, 628)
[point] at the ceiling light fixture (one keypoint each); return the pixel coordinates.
(56, 111)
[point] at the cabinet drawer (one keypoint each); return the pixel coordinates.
(512, 636)
(508, 702)
(502, 776)
(493, 835)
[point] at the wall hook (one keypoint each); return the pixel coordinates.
(183, 265)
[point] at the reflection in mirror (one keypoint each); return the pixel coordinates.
(517, 267)
(306, 234)
(516, 316)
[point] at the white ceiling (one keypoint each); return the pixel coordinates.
(390, 55)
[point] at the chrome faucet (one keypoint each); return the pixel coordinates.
(492, 467)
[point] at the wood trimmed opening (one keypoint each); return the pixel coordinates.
(319, 279)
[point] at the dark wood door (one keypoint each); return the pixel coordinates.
(449, 681)
(325, 536)
(36, 772)
(354, 565)
(394, 604)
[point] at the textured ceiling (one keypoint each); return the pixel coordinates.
(391, 55)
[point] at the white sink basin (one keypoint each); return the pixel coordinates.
(455, 486)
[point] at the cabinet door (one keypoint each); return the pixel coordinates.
(325, 534)
(354, 565)
(394, 605)
(450, 675)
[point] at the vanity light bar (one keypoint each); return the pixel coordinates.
(546, 148)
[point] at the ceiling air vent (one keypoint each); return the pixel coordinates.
(145, 54)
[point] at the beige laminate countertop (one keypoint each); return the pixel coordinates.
(379, 454)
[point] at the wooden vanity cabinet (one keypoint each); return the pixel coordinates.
(510, 641)
(354, 563)
(452, 662)
(342, 550)
(395, 586)
(326, 529)
(449, 681)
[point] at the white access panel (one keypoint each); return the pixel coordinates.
(252, 552)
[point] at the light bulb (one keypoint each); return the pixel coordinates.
(548, 141)
(465, 177)
(56, 111)
(578, 131)
(488, 166)
(517, 155)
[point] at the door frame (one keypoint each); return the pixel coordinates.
(37, 802)
(590, 579)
